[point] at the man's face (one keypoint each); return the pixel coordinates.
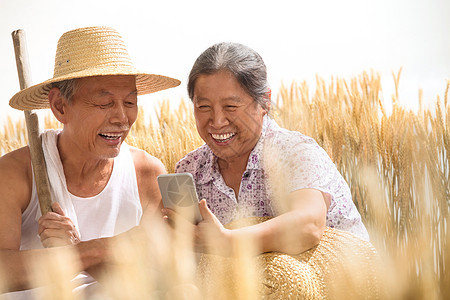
(227, 117)
(101, 113)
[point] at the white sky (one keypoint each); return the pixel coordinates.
(297, 39)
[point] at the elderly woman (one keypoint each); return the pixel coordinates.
(250, 167)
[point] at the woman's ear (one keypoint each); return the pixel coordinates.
(57, 104)
(268, 99)
(268, 106)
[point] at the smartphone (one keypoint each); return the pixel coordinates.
(178, 193)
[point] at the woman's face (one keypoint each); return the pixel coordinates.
(227, 118)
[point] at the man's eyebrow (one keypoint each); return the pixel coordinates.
(108, 93)
(104, 93)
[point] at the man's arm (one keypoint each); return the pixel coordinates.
(147, 170)
(15, 194)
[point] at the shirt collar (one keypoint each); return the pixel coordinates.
(254, 160)
(209, 168)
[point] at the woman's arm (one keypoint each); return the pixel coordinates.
(293, 232)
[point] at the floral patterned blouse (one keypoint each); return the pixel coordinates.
(281, 162)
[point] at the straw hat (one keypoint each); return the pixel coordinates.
(90, 51)
(341, 266)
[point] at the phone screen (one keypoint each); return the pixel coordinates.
(178, 193)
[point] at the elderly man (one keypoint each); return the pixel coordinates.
(99, 184)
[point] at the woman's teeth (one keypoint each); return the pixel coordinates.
(222, 137)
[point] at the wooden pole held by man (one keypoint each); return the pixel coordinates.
(32, 122)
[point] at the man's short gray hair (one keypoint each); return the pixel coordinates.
(244, 63)
(66, 87)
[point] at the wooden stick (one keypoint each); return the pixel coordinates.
(32, 122)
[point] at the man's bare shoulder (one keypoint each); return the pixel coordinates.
(16, 177)
(147, 169)
(146, 163)
(16, 161)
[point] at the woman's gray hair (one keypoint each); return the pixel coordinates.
(66, 87)
(244, 63)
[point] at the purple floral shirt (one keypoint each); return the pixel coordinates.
(281, 162)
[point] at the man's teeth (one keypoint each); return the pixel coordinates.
(222, 137)
(110, 136)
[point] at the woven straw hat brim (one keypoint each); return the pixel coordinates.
(86, 52)
(35, 97)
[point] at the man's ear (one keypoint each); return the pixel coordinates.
(57, 104)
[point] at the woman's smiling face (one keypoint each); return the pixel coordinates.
(227, 117)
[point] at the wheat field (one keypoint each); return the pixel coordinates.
(396, 163)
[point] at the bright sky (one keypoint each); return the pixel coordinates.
(297, 39)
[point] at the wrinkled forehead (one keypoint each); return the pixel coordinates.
(120, 84)
(106, 81)
(218, 81)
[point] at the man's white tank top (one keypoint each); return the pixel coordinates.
(115, 209)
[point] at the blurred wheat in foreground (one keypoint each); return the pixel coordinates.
(396, 163)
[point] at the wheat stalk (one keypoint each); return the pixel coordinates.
(396, 164)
